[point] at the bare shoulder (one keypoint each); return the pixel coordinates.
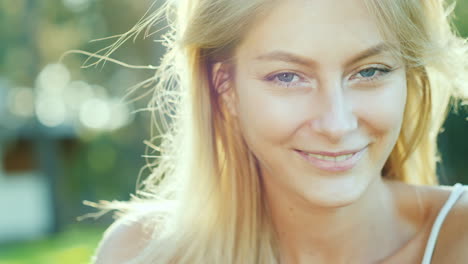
(124, 239)
(452, 241)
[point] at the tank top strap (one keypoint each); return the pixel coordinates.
(457, 191)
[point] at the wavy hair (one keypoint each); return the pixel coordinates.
(204, 191)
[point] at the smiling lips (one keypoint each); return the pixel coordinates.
(333, 161)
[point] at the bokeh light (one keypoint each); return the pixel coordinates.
(53, 79)
(50, 110)
(21, 102)
(77, 92)
(95, 113)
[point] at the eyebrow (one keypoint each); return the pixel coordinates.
(279, 55)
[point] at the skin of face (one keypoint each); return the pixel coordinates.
(301, 82)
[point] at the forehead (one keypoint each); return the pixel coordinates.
(331, 28)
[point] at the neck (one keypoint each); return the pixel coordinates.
(364, 231)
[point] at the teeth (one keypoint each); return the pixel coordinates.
(329, 158)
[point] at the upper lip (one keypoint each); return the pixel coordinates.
(334, 154)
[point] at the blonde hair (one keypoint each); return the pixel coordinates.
(204, 190)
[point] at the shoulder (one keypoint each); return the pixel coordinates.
(124, 239)
(452, 241)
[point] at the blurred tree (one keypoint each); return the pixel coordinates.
(97, 164)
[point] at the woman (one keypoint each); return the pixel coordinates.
(303, 132)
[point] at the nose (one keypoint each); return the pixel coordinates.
(336, 118)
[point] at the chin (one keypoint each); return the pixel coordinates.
(340, 192)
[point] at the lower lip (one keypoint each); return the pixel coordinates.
(334, 166)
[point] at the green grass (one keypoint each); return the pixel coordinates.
(73, 246)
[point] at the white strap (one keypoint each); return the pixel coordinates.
(456, 193)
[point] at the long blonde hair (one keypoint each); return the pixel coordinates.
(204, 191)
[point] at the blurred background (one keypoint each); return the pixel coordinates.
(66, 135)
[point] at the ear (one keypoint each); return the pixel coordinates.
(223, 85)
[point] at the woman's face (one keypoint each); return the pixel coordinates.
(319, 99)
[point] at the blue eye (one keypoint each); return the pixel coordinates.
(368, 72)
(286, 77)
(372, 73)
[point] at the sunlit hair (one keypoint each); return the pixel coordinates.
(204, 191)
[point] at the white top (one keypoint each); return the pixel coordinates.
(457, 191)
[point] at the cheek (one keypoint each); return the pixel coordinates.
(382, 116)
(264, 117)
(268, 117)
(383, 108)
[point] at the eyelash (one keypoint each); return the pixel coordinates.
(274, 78)
(382, 72)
